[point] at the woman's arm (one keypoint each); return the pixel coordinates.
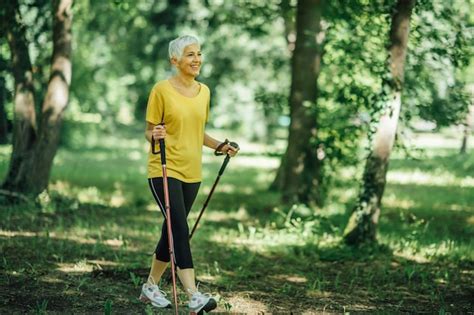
(212, 143)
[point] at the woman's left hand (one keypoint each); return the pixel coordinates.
(230, 150)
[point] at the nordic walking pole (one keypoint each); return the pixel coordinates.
(168, 216)
(221, 171)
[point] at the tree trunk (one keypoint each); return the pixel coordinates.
(24, 123)
(362, 224)
(468, 123)
(3, 114)
(299, 174)
(40, 150)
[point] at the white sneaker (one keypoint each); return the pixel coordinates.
(201, 302)
(152, 294)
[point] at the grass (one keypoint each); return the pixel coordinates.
(85, 247)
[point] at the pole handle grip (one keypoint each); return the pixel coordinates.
(162, 151)
(227, 158)
(153, 147)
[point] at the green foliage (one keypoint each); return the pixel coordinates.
(439, 50)
(108, 307)
(130, 55)
(37, 17)
(41, 307)
(120, 51)
(135, 279)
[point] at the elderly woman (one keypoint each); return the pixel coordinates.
(177, 110)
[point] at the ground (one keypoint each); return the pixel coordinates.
(85, 247)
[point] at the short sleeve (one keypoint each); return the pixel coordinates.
(154, 108)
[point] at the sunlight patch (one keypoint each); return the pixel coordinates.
(411, 255)
(395, 201)
(99, 263)
(454, 207)
(152, 207)
(135, 155)
(260, 162)
(245, 304)
(61, 187)
(470, 220)
(90, 195)
(7, 233)
(79, 267)
(5, 150)
(114, 242)
(226, 188)
(49, 279)
(218, 216)
(422, 254)
(419, 177)
(262, 239)
(291, 278)
(117, 199)
(318, 294)
(434, 140)
(208, 278)
(345, 195)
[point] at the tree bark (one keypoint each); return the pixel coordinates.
(3, 114)
(362, 226)
(468, 123)
(24, 123)
(40, 149)
(299, 175)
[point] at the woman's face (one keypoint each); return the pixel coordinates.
(190, 62)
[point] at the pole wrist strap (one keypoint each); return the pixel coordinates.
(218, 150)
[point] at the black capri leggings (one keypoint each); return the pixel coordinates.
(182, 196)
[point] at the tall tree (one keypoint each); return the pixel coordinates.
(363, 222)
(3, 114)
(468, 124)
(35, 141)
(299, 174)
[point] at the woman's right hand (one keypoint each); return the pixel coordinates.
(158, 132)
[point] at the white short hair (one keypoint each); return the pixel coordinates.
(176, 46)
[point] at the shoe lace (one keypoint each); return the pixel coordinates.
(154, 287)
(197, 293)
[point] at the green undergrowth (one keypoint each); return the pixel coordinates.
(86, 244)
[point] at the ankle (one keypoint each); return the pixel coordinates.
(151, 280)
(191, 291)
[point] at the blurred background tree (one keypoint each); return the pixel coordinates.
(439, 97)
(36, 128)
(299, 175)
(120, 51)
(362, 224)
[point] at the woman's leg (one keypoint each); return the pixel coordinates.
(190, 191)
(187, 276)
(157, 270)
(158, 266)
(180, 232)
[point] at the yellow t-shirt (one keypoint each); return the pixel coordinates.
(184, 118)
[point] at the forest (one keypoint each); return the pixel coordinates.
(352, 192)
